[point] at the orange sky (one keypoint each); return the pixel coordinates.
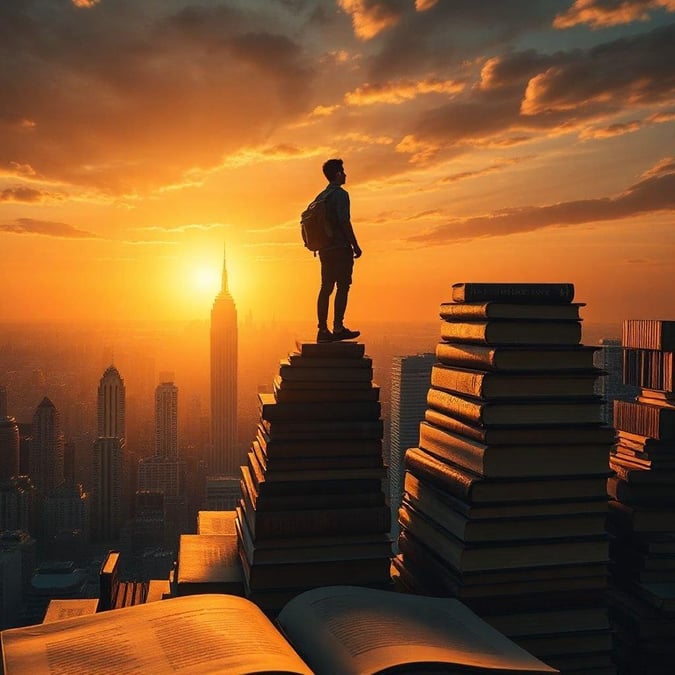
(483, 141)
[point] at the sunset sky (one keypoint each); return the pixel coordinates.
(483, 140)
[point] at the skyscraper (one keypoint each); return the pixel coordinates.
(223, 456)
(107, 498)
(166, 420)
(46, 448)
(611, 387)
(110, 408)
(410, 381)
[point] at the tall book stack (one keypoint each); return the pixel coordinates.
(642, 506)
(312, 511)
(505, 501)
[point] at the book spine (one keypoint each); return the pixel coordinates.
(448, 478)
(451, 311)
(466, 356)
(513, 293)
(648, 334)
(647, 420)
(471, 383)
(649, 369)
(464, 409)
(314, 522)
(457, 449)
(454, 425)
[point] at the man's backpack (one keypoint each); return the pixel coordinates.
(317, 232)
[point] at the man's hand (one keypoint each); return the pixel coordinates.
(357, 251)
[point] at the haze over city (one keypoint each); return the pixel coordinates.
(482, 141)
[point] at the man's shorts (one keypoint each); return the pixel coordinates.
(336, 265)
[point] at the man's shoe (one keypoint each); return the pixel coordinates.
(324, 335)
(345, 334)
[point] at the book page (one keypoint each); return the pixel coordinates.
(195, 634)
(355, 630)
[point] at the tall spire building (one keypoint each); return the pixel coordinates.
(166, 420)
(224, 459)
(107, 505)
(46, 448)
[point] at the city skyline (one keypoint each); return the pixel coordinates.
(483, 141)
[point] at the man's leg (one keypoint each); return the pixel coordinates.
(340, 306)
(322, 304)
(322, 301)
(344, 280)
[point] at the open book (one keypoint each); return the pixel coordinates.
(335, 629)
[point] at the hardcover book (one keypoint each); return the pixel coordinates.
(506, 332)
(455, 311)
(535, 293)
(513, 358)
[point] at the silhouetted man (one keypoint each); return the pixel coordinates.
(337, 258)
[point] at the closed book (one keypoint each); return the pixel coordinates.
(330, 350)
(523, 435)
(309, 549)
(648, 334)
(646, 444)
(429, 501)
(315, 522)
(518, 293)
(490, 385)
(274, 411)
(302, 499)
(335, 447)
(465, 557)
(319, 430)
(476, 511)
(257, 464)
(518, 413)
(367, 571)
(514, 358)
(506, 586)
(474, 489)
(506, 332)
(649, 369)
(631, 473)
(315, 462)
(654, 421)
(514, 461)
(639, 459)
(208, 563)
(639, 493)
(328, 394)
(475, 311)
(345, 373)
(297, 360)
(640, 518)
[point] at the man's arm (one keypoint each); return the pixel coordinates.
(345, 222)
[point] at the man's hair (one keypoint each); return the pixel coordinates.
(332, 168)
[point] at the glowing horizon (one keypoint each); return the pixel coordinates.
(535, 145)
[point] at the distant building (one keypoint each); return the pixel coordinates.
(222, 493)
(46, 448)
(224, 457)
(410, 382)
(111, 405)
(166, 421)
(610, 386)
(9, 448)
(10, 588)
(17, 504)
(108, 508)
(67, 511)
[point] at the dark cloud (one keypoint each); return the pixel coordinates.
(653, 193)
(124, 100)
(22, 194)
(527, 91)
(45, 227)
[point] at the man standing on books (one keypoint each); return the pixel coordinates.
(337, 258)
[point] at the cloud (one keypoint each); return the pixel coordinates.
(85, 3)
(46, 228)
(604, 13)
(371, 17)
(635, 70)
(182, 228)
(127, 97)
(497, 166)
(400, 91)
(653, 193)
(22, 194)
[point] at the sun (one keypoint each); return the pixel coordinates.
(205, 280)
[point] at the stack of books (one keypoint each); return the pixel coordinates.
(312, 511)
(505, 499)
(642, 506)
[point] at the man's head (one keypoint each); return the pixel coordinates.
(334, 171)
